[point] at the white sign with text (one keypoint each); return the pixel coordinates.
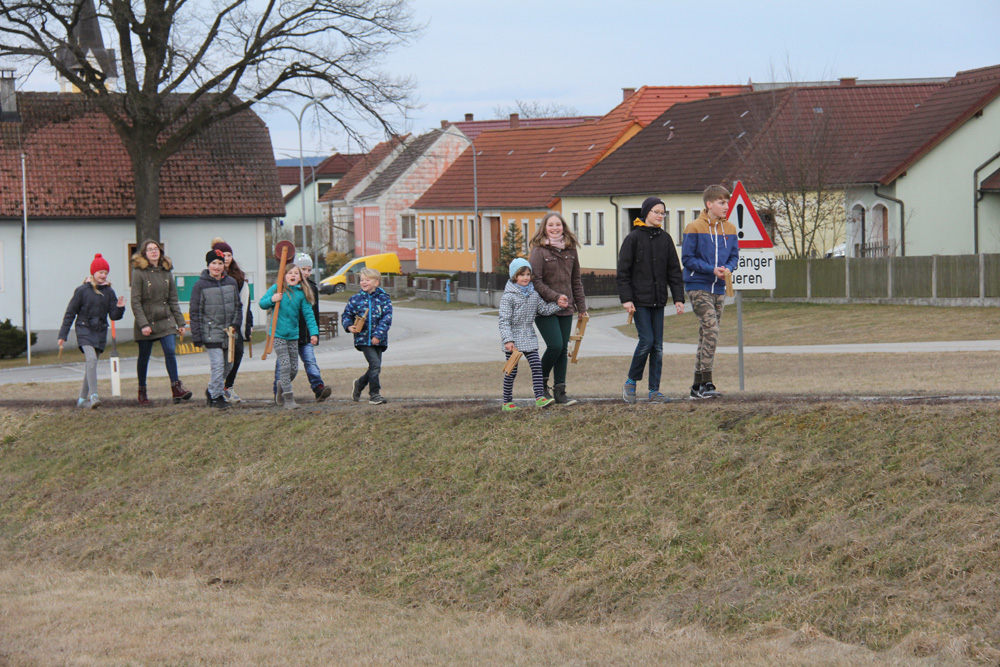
(756, 270)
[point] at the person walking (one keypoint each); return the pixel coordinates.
(158, 317)
(555, 273)
(92, 304)
(234, 271)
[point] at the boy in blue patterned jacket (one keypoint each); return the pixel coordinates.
(372, 338)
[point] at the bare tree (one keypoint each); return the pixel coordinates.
(534, 109)
(187, 65)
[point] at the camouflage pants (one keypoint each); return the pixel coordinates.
(708, 307)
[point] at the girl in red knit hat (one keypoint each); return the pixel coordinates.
(92, 304)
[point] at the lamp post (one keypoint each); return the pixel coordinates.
(475, 211)
(302, 170)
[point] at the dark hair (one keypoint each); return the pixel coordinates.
(234, 271)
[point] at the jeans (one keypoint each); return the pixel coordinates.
(169, 346)
(308, 356)
(373, 355)
(649, 325)
(555, 330)
(90, 374)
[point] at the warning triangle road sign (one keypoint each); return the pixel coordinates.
(749, 229)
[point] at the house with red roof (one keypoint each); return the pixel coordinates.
(79, 200)
(770, 139)
(519, 171)
(302, 213)
(337, 208)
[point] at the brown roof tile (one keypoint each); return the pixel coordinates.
(77, 166)
(647, 103)
(473, 128)
(361, 168)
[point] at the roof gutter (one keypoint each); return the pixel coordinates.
(977, 196)
(902, 219)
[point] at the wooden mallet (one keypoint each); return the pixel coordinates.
(511, 364)
(283, 250)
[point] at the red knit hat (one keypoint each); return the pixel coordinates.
(99, 264)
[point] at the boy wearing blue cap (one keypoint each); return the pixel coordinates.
(518, 307)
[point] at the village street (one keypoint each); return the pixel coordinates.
(420, 336)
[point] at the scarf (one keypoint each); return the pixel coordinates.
(526, 289)
(559, 243)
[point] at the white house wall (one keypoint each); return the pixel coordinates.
(938, 191)
(60, 254)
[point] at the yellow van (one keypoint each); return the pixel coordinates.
(386, 262)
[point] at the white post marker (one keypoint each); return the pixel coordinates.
(756, 267)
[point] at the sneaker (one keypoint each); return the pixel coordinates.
(696, 391)
(628, 392)
(708, 390)
(509, 407)
(542, 402)
(376, 399)
(82, 403)
(356, 394)
(657, 397)
(322, 393)
(230, 396)
(94, 401)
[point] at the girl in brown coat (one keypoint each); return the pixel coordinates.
(157, 315)
(555, 272)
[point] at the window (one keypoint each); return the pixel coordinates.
(409, 227)
(524, 236)
(423, 233)
(460, 225)
(695, 212)
(441, 238)
(433, 227)
(576, 225)
(666, 220)
(586, 228)
(451, 233)
(472, 233)
(680, 225)
(600, 228)
(321, 189)
(299, 229)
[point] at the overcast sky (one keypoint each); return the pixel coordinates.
(473, 56)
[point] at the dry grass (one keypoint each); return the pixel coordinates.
(113, 619)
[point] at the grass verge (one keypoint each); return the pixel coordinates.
(871, 523)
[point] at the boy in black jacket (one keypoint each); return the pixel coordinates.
(647, 267)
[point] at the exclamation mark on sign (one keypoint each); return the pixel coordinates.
(739, 219)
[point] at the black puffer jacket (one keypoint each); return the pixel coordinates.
(647, 266)
(91, 310)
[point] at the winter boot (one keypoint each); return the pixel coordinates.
(220, 403)
(279, 398)
(289, 401)
(178, 392)
(322, 393)
(559, 393)
(143, 398)
(546, 391)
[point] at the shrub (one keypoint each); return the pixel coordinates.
(335, 260)
(12, 340)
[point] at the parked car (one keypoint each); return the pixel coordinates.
(836, 251)
(386, 262)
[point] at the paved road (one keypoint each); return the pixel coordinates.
(432, 337)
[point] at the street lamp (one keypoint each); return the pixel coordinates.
(475, 207)
(302, 170)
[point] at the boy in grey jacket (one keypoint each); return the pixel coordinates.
(518, 307)
(215, 309)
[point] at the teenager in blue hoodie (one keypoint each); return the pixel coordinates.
(710, 249)
(372, 337)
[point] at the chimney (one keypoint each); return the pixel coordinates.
(8, 95)
(468, 116)
(627, 93)
(445, 124)
(849, 81)
(515, 120)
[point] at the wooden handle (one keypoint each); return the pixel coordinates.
(269, 346)
(630, 317)
(231, 333)
(511, 364)
(729, 283)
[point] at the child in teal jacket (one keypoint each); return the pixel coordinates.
(296, 302)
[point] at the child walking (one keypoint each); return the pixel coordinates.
(92, 304)
(519, 306)
(296, 302)
(216, 310)
(372, 337)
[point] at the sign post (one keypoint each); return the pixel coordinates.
(756, 267)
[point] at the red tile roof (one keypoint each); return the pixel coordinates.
(647, 103)
(335, 166)
(938, 116)
(719, 139)
(77, 166)
(362, 167)
(992, 183)
(522, 168)
(473, 128)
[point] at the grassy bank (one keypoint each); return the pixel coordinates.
(868, 522)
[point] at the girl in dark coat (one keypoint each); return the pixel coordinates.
(92, 303)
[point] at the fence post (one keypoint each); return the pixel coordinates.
(847, 276)
(888, 281)
(982, 276)
(934, 276)
(809, 275)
